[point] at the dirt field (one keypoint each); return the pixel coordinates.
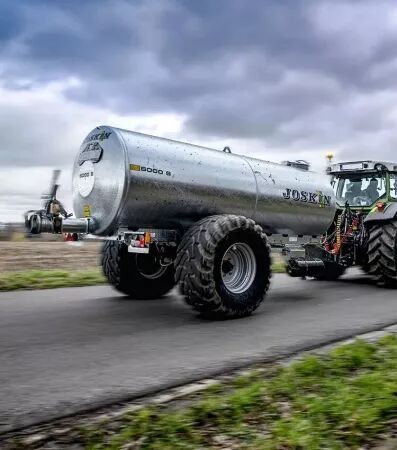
(39, 254)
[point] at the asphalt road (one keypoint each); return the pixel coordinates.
(66, 350)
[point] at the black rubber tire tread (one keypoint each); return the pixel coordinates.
(120, 269)
(111, 262)
(382, 252)
(365, 266)
(373, 267)
(196, 260)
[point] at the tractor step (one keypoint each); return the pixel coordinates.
(305, 267)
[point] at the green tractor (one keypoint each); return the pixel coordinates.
(364, 232)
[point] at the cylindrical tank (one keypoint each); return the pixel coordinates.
(127, 179)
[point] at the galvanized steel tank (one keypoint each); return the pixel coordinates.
(127, 179)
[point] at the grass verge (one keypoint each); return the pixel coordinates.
(342, 400)
(278, 267)
(47, 279)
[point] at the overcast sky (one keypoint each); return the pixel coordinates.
(274, 79)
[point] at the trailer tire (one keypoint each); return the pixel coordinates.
(124, 271)
(382, 253)
(223, 266)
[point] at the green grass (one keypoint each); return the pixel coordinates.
(47, 279)
(278, 266)
(343, 400)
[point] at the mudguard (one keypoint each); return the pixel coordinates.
(389, 213)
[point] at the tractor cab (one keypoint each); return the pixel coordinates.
(364, 184)
(364, 231)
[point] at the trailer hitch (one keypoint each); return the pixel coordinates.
(53, 217)
(37, 222)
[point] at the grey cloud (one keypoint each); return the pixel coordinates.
(38, 134)
(21, 190)
(289, 73)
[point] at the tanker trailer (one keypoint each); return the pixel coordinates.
(175, 213)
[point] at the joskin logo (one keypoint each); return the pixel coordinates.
(91, 152)
(98, 136)
(307, 197)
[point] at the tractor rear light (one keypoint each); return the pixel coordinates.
(380, 206)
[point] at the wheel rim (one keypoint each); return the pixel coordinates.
(149, 267)
(238, 268)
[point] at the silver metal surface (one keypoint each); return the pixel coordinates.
(38, 224)
(127, 179)
(132, 249)
(283, 241)
(41, 224)
(361, 166)
(238, 268)
(73, 225)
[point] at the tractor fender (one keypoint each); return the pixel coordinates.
(389, 213)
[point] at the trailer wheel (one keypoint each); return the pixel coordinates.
(136, 275)
(382, 253)
(223, 266)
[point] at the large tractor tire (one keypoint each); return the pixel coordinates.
(223, 266)
(382, 253)
(139, 276)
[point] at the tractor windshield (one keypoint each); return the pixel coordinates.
(393, 185)
(360, 190)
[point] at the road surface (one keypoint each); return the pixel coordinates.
(66, 350)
